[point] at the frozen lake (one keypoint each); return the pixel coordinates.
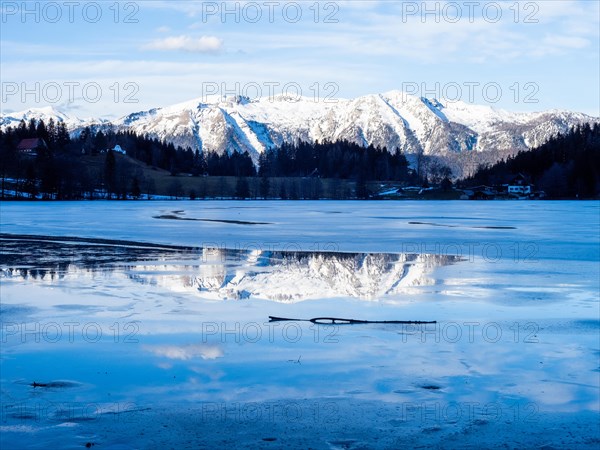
(145, 324)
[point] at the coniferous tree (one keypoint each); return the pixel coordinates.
(110, 173)
(136, 191)
(242, 189)
(567, 166)
(361, 188)
(265, 187)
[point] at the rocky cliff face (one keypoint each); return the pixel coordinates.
(459, 134)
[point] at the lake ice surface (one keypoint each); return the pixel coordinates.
(163, 339)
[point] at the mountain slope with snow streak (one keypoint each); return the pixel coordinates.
(457, 133)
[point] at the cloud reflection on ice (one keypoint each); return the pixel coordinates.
(187, 352)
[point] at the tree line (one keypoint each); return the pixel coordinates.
(567, 166)
(83, 165)
(341, 159)
(61, 169)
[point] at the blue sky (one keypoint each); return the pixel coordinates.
(110, 58)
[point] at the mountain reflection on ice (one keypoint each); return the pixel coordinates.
(224, 273)
(111, 343)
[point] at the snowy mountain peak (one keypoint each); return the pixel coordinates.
(458, 134)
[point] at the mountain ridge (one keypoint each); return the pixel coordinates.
(457, 134)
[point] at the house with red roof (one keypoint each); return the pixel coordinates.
(31, 146)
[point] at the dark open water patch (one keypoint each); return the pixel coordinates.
(36, 238)
(490, 227)
(55, 384)
(236, 222)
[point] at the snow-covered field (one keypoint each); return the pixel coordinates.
(163, 340)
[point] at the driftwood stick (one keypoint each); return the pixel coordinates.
(340, 321)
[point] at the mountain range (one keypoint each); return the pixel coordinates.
(457, 134)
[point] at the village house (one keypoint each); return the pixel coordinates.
(519, 185)
(120, 150)
(116, 149)
(31, 146)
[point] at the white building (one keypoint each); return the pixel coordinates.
(519, 189)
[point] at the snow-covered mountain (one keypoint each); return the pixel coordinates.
(73, 124)
(459, 134)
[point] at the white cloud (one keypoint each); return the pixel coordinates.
(566, 42)
(203, 44)
(371, 49)
(187, 352)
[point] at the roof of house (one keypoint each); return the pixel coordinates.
(520, 178)
(30, 144)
